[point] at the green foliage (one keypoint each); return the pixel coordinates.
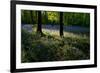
(53, 48)
(76, 19)
(51, 17)
(26, 17)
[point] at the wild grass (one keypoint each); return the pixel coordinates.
(51, 47)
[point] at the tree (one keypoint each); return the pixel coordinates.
(31, 14)
(61, 24)
(39, 29)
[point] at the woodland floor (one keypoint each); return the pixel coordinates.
(52, 47)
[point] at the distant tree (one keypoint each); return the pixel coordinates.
(24, 17)
(44, 17)
(31, 15)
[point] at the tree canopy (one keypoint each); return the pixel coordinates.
(51, 17)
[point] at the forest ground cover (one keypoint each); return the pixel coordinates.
(52, 47)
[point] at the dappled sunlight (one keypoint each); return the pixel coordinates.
(52, 47)
(54, 36)
(66, 34)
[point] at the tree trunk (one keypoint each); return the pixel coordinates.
(39, 29)
(61, 24)
(32, 21)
